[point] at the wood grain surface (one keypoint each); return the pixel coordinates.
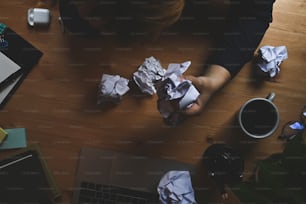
(56, 103)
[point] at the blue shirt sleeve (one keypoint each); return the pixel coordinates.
(247, 23)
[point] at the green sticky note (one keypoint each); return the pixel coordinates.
(16, 138)
(2, 28)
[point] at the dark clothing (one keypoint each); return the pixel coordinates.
(247, 23)
(71, 19)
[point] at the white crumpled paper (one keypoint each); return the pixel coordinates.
(175, 187)
(112, 88)
(271, 58)
(174, 87)
(148, 74)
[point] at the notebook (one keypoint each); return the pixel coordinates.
(111, 177)
(8, 69)
(17, 57)
(25, 179)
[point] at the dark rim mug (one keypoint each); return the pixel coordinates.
(268, 100)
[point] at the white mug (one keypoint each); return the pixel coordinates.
(259, 117)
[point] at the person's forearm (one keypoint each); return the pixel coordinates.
(217, 77)
(210, 82)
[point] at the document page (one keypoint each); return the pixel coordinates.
(7, 67)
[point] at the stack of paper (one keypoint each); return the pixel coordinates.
(9, 75)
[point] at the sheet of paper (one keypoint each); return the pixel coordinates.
(112, 88)
(271, 58)
(148, 74)
(16, 138)
(6, 90)
(174, 92)
(7, 67)
(176, 187)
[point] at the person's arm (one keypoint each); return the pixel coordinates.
(215, 78)
(247, 25)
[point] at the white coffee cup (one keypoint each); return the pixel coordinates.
(259, 117)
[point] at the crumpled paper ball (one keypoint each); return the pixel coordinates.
(175, 187)
(270, 59)
(174, 92)
(112, 88)
(148, 74)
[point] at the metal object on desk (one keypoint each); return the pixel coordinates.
(38, 16)
(294, 128)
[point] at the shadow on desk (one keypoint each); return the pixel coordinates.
(232, 135)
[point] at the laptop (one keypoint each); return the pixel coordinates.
(111, 177)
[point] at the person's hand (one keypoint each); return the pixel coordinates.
(214, 79)
(206, 89)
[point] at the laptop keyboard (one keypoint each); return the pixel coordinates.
(91, 193)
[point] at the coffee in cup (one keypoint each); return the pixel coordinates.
(259, 117)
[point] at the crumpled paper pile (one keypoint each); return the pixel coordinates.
(174, 92)
(270, 59)
(112, 88)
(175, 187)
(148, 74)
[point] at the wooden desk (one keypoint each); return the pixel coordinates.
(57, 101)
